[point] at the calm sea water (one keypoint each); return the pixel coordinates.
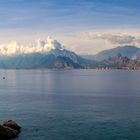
(72, 105)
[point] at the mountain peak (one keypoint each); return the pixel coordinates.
(128, 47)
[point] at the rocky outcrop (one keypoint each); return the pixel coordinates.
(121, 62)
(9, 129)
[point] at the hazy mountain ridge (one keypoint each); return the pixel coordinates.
(128, 51)
(37, 60)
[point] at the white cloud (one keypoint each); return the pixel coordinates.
(92, 42)
(39, 46)
(120, 39)
(84, 42)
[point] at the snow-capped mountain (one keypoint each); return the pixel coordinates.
(47, 53)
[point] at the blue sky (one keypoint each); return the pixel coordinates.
(23, 19)
(60, 14)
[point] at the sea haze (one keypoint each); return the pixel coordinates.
(72, 105)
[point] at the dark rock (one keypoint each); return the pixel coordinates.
(12, 124)
(7, 132)
(121, 62)
(9, 129)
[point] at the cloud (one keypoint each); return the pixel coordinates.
(39, 46)
(116, 38)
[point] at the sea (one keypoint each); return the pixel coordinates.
(72, 104)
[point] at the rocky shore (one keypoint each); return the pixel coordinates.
(9, 129)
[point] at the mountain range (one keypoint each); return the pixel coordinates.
(50, 54)
(124, 57)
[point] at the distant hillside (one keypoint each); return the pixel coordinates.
(128, 51)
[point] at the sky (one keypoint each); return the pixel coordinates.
(84, 26)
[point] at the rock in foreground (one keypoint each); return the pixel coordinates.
(9, 129)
